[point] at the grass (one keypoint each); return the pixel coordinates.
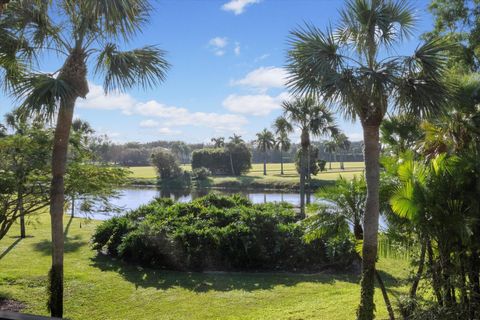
(98, 287)
(256, 180)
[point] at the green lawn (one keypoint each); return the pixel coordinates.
(273, 170)
(98, 287)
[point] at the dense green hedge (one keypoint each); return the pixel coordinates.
(217, 233)
(220, 160)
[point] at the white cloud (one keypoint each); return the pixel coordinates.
(263, 78)
(237, 49)
(149, 123)
(173, 116)
(238, 6)
(168, 131)
(218, 45)
(262, 57)
(257, 105)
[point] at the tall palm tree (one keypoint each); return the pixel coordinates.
(282, 128)
(343, 144)
(235, 140)
(310, 117)
(265, 141)
(344, 67)
(218, 142)
(80, 32)
(331, 148)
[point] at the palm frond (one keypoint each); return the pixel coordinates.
(143, 67)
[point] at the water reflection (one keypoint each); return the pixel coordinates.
(132, 198)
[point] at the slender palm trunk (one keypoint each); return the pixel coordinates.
(231, 164)
(57, 200)
(330, 164)
(418, 276)
(281, 162)
(307, 191)
(302, 182)
(265, 163)
(74, 72)
(73, 206)
(370, 235)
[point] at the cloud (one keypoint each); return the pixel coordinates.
(168, 131)
(262, 57)
(238, 6)
(172, 116)
(257, 105)
(218, 45)
(263, 78)
(237, 49)
(149, 123)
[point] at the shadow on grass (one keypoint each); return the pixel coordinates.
(10, 247)
(72, 244)
(216, 281)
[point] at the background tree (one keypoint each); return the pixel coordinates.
(265, 141)
(344, 145)
(181, 150)
(218, 142)
(166, 164)
(234, 142)
(310, 117)
(282, 128)
(331, 148)
(80, 32)
(363, 86)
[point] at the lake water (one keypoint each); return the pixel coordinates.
(132, 198)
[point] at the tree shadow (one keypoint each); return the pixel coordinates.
(10, 247)
(216, 281)
(72, 244)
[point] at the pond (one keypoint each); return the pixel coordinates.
(132, 198)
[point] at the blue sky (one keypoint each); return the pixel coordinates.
(226, 76)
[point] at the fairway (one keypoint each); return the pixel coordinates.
(98, 287)
(273, 170)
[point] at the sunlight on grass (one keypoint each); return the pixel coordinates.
(103, 288)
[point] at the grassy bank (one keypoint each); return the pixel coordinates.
(255, 179)
(98, 287)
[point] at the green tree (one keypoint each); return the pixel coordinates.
(81, 32)
(282, 128)
(166, 164)
(400, 133)
(344, 145)
(310, 117)
(234, 142)
(265, 141)
(218, 142)
(181, 150)
(331, 147)
(344, 67)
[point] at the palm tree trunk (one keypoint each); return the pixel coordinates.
(302, 182)
(73, 206)
(418, 276)
(265, 163)
(57, 199)
(370, 235)
(281, 162)
(231, 164)
(307, 192)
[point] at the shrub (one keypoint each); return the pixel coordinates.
(218, 233)
(321, 165)
(314, 168)
(220, 160)
(166, 164)
(201, 173)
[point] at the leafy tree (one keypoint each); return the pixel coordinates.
(81, 32)
(166, 164)
(343, 144)
(218, 142)
(282, 128)
(311, 157)
(311, 117)
(181, 151)
(265, 141)
(331, 147)
(344, 67)
(24, 174)
(400, 133)
(235, 141)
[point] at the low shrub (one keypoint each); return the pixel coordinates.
(217, 233)
(201, 173)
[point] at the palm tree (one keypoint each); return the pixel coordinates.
(218, 142)
(343, 67)
(282, 128)
(343, 144)
(310, 117)
(331, 148)
(235, 140)
(265, 141)
(81, 32)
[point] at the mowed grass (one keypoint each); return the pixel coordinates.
(273, 171)
(98, 287)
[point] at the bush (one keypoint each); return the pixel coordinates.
(201, 173)
(314, 168)
(166, 164)
(321, 165)
(217, 233)
(220, 160)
